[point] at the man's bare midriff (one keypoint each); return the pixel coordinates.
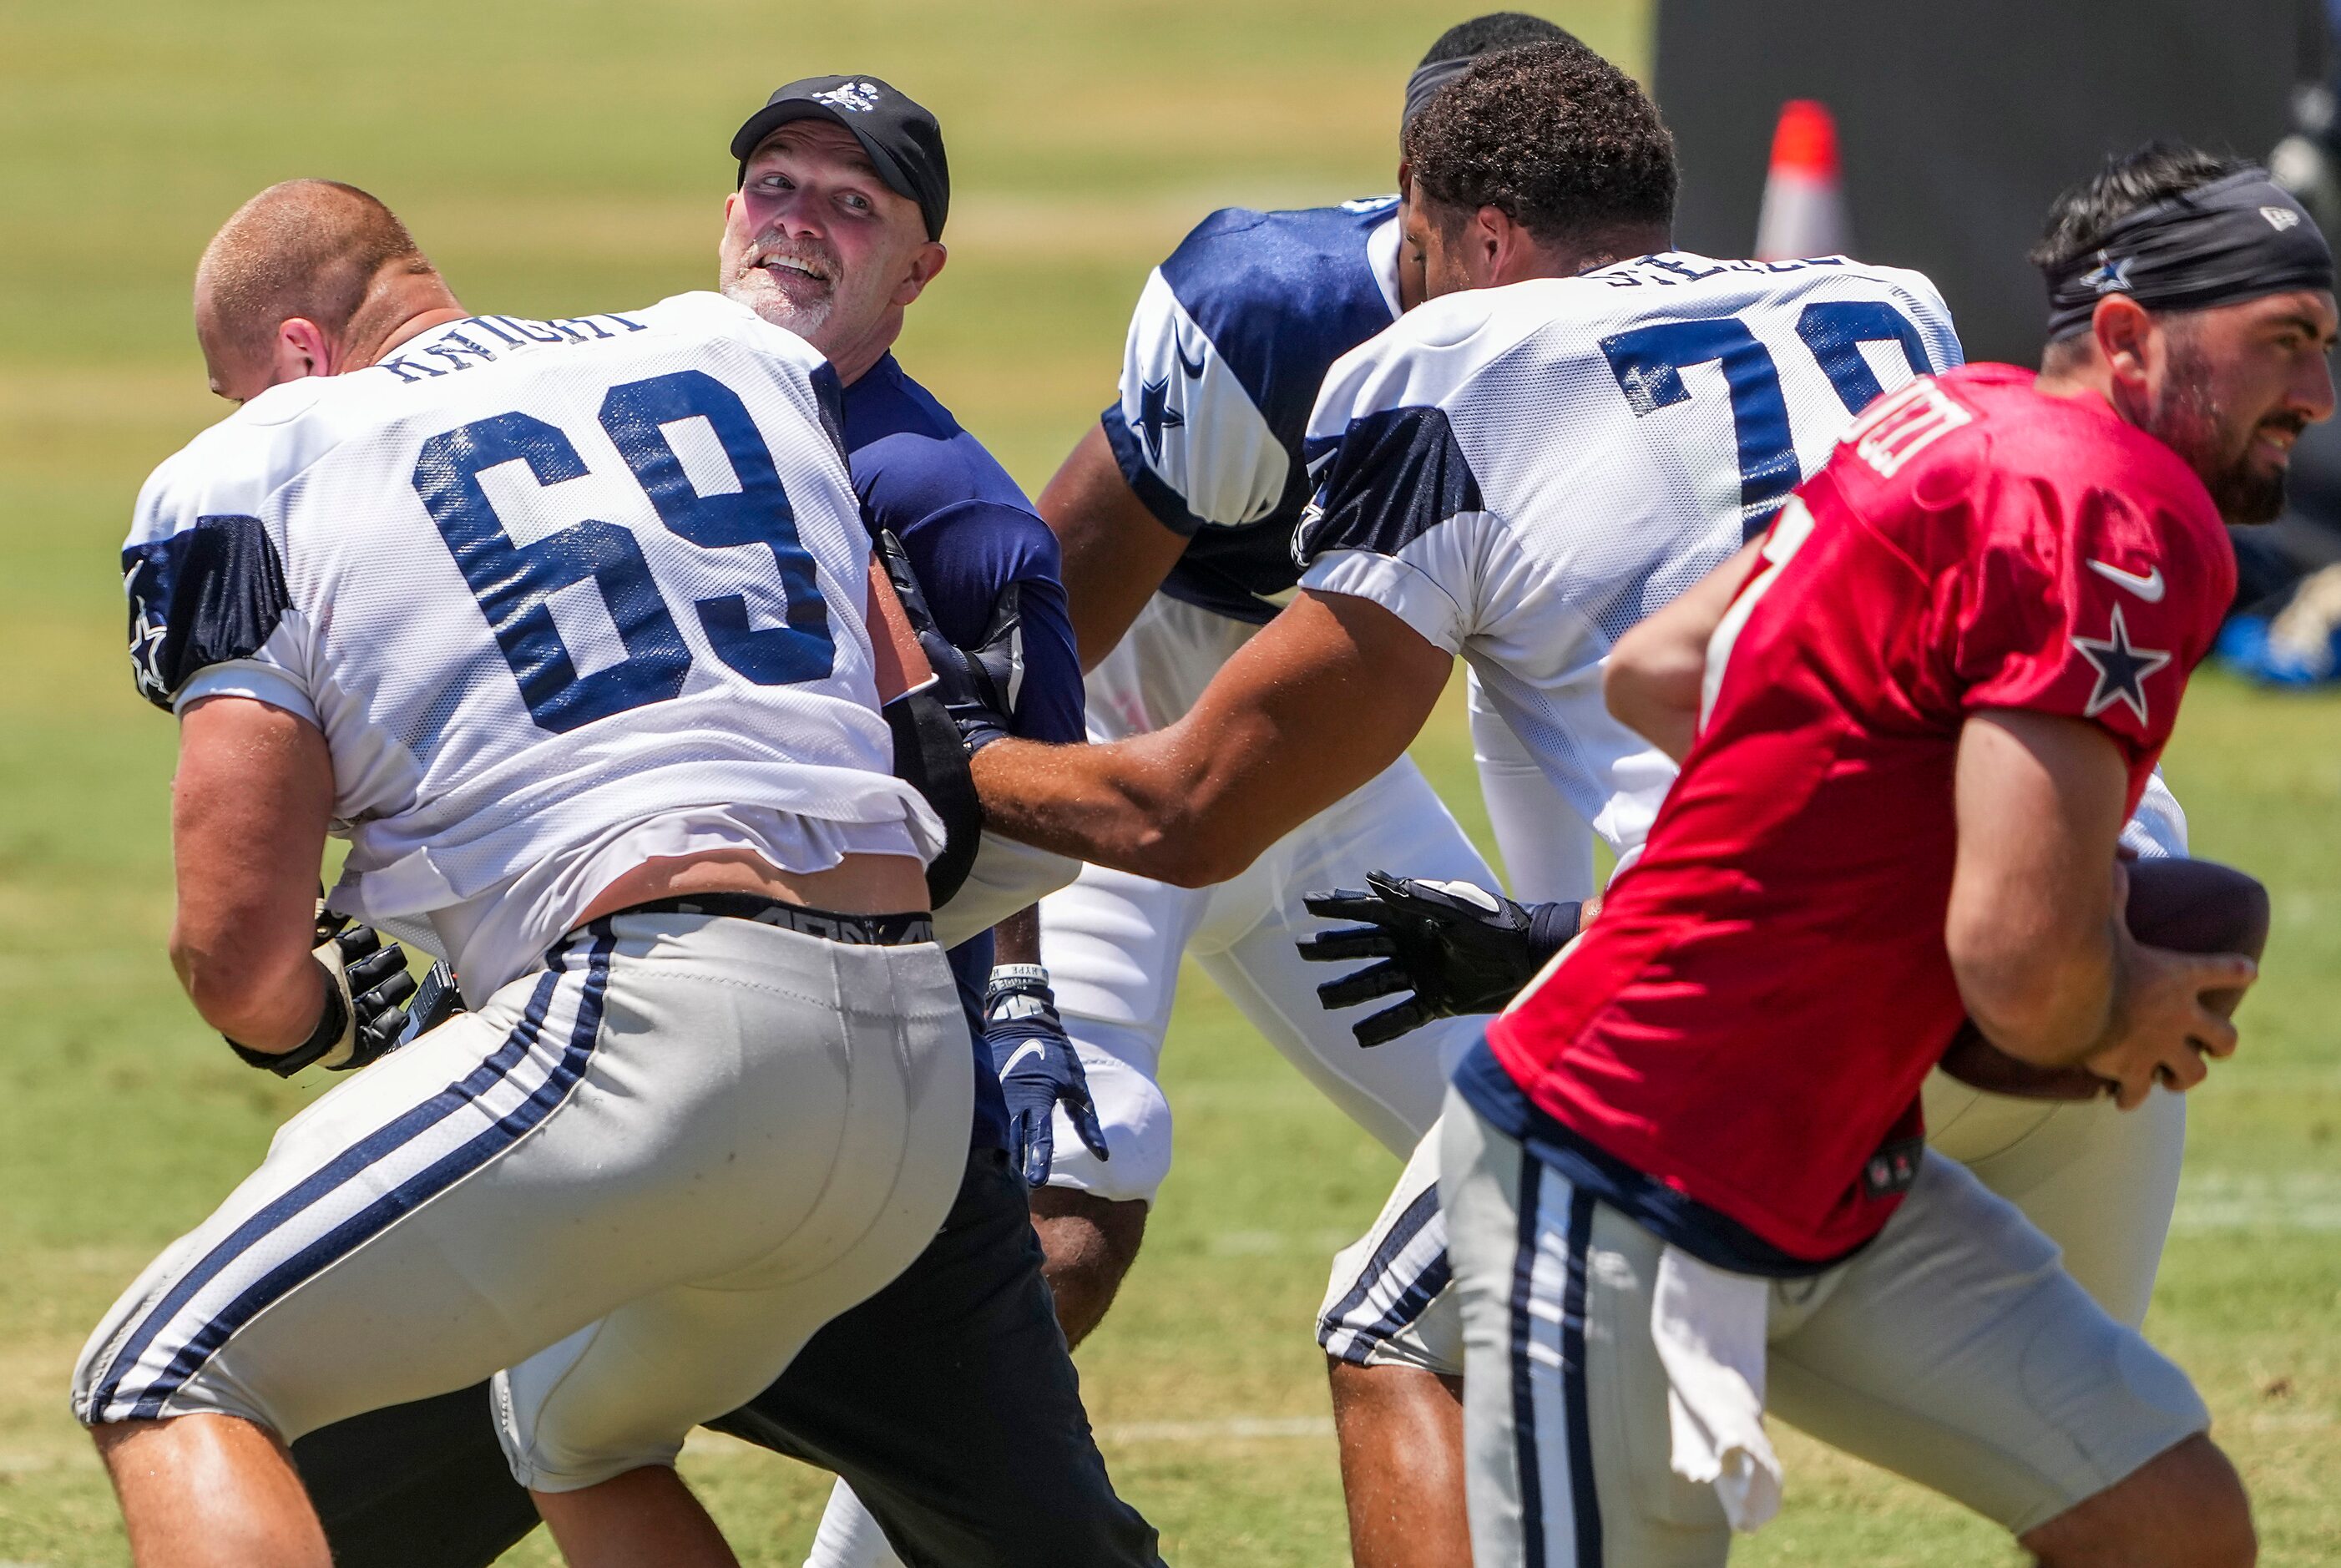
(858, 884)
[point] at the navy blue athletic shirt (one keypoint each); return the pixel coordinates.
(969, 531)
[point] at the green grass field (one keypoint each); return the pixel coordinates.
(560, 159)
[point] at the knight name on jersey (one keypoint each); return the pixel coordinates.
(536, 581)
(1901, 425)
(450, 349)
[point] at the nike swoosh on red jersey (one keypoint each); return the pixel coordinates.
(2148, 588)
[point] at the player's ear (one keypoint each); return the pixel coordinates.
(1513, 253)
(926, 261)
(301, 348)
(2127, 339)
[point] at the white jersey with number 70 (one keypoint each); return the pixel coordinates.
(1523, 473)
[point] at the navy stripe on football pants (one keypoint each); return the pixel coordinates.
(1405, 1274)
(515, 1088)
(1552, 1424)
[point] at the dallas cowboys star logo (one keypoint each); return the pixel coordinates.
(147, 635)
(2111, 276)
(2122, 667)
(1156, 415)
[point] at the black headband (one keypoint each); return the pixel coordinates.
(2236, 238)
(1424, 85)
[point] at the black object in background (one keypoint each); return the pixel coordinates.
(1959, 122)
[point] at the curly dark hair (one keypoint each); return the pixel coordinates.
(1554, 136)
(2080, 216)
(1496, 30)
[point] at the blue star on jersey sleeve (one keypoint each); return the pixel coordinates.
(1156, 415)
(204, 596)
(2122, 668)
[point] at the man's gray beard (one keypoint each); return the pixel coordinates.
(764, 297)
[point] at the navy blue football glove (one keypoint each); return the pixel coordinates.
(1038, 1069)
(1457, 947)
(978, 686)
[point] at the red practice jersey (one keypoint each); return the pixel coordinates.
(1747, 1025)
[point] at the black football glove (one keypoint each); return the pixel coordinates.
(1458, 948)
(436, 1000)
(1039, 1069)
(978, 686)
(365, 984)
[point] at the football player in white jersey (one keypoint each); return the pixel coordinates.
(948, 1399)
(562, 626)
(1518, 475)
(1176, 512)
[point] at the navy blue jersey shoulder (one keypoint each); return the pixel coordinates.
(829, 397)
(1393, 477)
(969, 533)
(204, 595)
(1280, 295)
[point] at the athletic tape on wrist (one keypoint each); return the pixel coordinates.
(1551, 927)
(332, 1022)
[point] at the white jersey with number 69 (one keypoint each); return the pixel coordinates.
(561, 595)
(1523, 473)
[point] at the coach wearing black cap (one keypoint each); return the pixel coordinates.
(903, 142)
(947, 1399)
(837, 223)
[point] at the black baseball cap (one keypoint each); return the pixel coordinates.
(905, 142)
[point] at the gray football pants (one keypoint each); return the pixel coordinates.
(1953, 1349)
(639, 1178)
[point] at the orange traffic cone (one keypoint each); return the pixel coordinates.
(1804, 197)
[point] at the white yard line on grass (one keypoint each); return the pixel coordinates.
(2303, 1203)
(1323, 1243)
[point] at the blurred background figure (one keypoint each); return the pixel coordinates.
(1923, 135)
(2286, 629)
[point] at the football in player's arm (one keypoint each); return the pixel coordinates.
(1445, 949)
(1974, 649)
(1176, 802)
